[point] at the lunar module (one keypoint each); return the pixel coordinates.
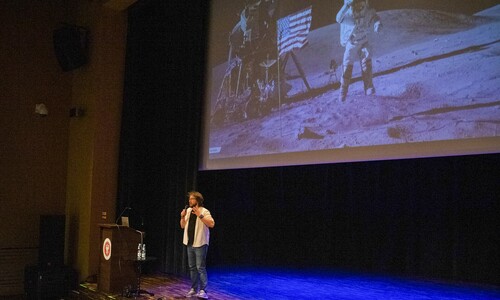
(249, 87)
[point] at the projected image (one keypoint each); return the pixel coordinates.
(295, 77)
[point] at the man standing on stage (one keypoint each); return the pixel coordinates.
(196, 221)
(356, 20)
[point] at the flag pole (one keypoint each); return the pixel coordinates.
(279, 76)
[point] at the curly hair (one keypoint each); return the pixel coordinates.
(198, 196)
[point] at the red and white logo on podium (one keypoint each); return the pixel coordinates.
(106, 249)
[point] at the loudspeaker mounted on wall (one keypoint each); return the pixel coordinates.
(71, 46)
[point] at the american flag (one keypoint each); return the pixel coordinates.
(293, 30)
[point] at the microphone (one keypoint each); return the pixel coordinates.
(186, 207)
(121, 214)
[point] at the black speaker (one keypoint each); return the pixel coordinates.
(51, 243)
(70, 46)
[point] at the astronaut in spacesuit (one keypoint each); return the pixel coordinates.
(356, 20)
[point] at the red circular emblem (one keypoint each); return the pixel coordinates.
(106, 249)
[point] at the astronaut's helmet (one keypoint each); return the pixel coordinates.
(252, 3)
(359, 5)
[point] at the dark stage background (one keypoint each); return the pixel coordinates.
(433, 217)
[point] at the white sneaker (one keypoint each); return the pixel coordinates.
(202, 295)
(191, 293)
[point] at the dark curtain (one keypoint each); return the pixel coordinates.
(160, 121)
(429, 217)
(433, 217)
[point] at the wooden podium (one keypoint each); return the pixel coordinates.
(117, 257)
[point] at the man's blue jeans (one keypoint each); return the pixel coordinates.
(197, 266)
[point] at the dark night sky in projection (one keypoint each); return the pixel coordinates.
(226, 12)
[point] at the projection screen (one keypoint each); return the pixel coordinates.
(291, 82)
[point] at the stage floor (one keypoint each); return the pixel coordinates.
(238, 283)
